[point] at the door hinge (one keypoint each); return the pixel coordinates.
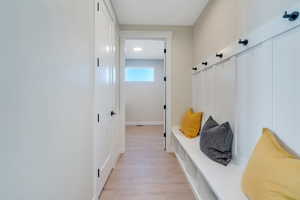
(165, 78)
(98, 118)
(165, 50)
(165, 107)
(98, 6)
(98, 62)
(98, 173)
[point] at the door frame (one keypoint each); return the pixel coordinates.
(161, 35)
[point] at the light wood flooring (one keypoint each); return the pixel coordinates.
(145, 171)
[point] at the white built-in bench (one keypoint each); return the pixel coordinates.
(209, 179)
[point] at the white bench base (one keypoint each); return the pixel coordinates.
(209, 180)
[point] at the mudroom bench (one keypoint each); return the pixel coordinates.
(209, 180)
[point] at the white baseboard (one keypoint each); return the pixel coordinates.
(95, 197)
(106, 169)
(148, 123)
(116, 158)
(195, 192)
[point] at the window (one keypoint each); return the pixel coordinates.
(139, 74)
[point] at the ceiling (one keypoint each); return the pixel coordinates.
(158, 12)
(148, 49)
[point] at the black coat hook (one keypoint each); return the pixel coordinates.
(292, 17)
(195, 68)
(244, 42)
(220, 55)
(205, 63)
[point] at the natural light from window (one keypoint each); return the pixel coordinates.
(139, 74)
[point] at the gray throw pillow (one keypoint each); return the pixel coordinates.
(216, 141)
(210, 123)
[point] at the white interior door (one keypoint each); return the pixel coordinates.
(98, 104)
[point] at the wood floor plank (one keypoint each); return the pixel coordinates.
(145, 171)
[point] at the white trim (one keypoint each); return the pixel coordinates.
(146, 123)
(111, 10)
(189, 178)
(95, 198)
(106, 169)
(93, 112)
(266, 32)
(158, 35)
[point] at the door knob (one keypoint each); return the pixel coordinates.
(112, 113)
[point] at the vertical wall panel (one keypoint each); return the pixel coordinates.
(254, 90)
(254, 97)
(198, 99)
(201, 92)
(287, 92)
(195, 92)
(209, 93)
(225, 92)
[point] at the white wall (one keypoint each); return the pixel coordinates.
(144, 100)
(182, 61)
(46, 94)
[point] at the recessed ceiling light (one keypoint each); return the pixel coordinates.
(137, 49)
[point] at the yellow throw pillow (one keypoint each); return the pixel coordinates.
(185, 117)
(272, 172)
(191, 124)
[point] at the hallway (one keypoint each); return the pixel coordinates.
(146, 172)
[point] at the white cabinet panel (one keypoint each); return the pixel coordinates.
(287, 88)
(254, 97)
